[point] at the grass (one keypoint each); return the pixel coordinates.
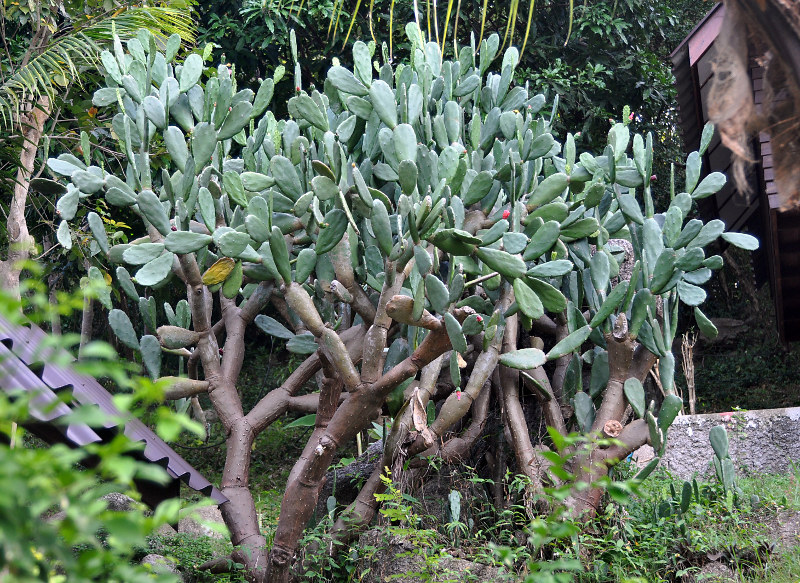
(190, 552)
(625, 543)
(637, 541)
(784, 569)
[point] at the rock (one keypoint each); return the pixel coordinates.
(642, 456)
(57, 517)
(776, 431)
(161, 564)
(166, 530)
(206, 514)
(628, 259)
(730, 330)
(396, 560)
(114, 501)
(715, 573)
(119, 502)
(345, 483)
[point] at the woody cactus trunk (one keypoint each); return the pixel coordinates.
(404, 222)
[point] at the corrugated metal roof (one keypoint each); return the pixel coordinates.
(24, 349)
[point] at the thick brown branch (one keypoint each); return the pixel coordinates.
(588, 500)
(550, 405)
(400, 309)
(306, 477)
(516, 423)
(457, 449)
(308, 403)
(301, 496)
(180, 387)
(330, 342)
(343, 267)
(620, 358)
(404, 423)
(256, 302)
(275, 403)
(557, 379)
(375, 341)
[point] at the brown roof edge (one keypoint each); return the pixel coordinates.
(21, 349)
(701, 24)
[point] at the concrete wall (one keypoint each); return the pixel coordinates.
(763, 441)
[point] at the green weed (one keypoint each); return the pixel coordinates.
(190, 552)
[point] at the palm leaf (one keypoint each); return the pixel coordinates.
(159, 20)
(335, 15)
(371, 31)
(484, 11)
(446, 24)
(455, 29)
(512, 20)
(527, 27)
(571, 13)
(431, 14)
(352, 22)
(68, 54)
(391, 21)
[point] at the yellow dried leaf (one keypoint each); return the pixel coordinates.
(218, 272)
(418, 414)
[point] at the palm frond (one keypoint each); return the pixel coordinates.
(335, 15)
(432, 15)
(455, 29)
(61, 59)
(352, 22)
(528, 27)
(68, 54)
(483, 20)
(428, 15)
(512, 20)
(161, 21)
(446, 24)
(391, 28)
(371, 31)
(571, 14)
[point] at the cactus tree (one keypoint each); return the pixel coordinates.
(403, 222)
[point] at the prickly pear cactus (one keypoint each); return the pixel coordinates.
(400, 163)
(436, 181)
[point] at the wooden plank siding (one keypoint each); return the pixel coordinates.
(758, 212)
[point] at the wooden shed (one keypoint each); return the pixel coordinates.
(778, 259)
(25, 365)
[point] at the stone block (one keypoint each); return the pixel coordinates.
(765, 441)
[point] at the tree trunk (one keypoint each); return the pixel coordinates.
(55, 317)
(20, 242)
(626, 359)
(87, 323)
